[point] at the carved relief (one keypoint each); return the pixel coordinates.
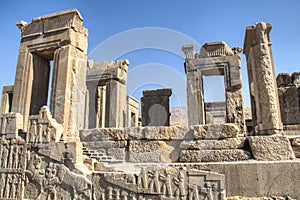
(46, 178)
(43, 128)
(168, 183)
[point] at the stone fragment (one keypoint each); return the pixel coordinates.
(296, 146)
(216, 131)
(227, 143)
(275, 147)
(105, 144)
(214, 155)
(116, 153)
(144, 157)
(166, 133)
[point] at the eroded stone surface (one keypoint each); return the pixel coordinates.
(214, 155)
(228, 143)
(216, 131)
(275, 147)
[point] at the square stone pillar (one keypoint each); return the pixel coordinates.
(262, 82)
(155, 107)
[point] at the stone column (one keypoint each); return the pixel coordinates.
(155, 107)
(257, 48)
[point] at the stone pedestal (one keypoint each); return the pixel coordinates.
(155, 107)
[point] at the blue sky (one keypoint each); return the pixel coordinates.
(200, 21)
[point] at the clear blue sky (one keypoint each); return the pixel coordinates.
(202, 21)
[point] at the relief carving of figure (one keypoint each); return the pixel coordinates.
(48, 134)
(179, 182)
(207, 191)
(5, 155)
(50, 183)
(35, 173)
(2, 182)
(12, 153)
(194, 193)
(143, 179)
(166, 186)
(7, 186)
(21, 157)
(39, 136)
(13, 186)
(154, 184)
(32, 132)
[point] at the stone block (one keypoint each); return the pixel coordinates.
(166, 133)
(276, 147)
(227, 143)
(105, 144)
(117, 153)
(215, 131)
(103, 134)
(214, 155)
(149, 157)
(144, 146)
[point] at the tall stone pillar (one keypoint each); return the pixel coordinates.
(6, 99)
(262, 81)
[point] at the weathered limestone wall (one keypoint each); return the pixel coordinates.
(215, 58)
(262, 82)
(62, 38)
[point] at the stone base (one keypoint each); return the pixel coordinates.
(275, 147)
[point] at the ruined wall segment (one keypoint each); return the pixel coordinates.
(262, 82)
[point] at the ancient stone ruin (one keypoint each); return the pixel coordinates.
(89, 143)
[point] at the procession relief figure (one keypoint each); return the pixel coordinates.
(7, 186)
(4, 157)
(2, 182)
(124, 195)
(180, 184)
(13, 182)
(143, 179)
(109, 193)
(39, 138)
(32, 132)
(16, 156)
(132, 196)
(207, 191)
(21, 157)
(194, 193)
(154, 185)
(48, 134)
(117, 194)
(12, 154)
(166, 187)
